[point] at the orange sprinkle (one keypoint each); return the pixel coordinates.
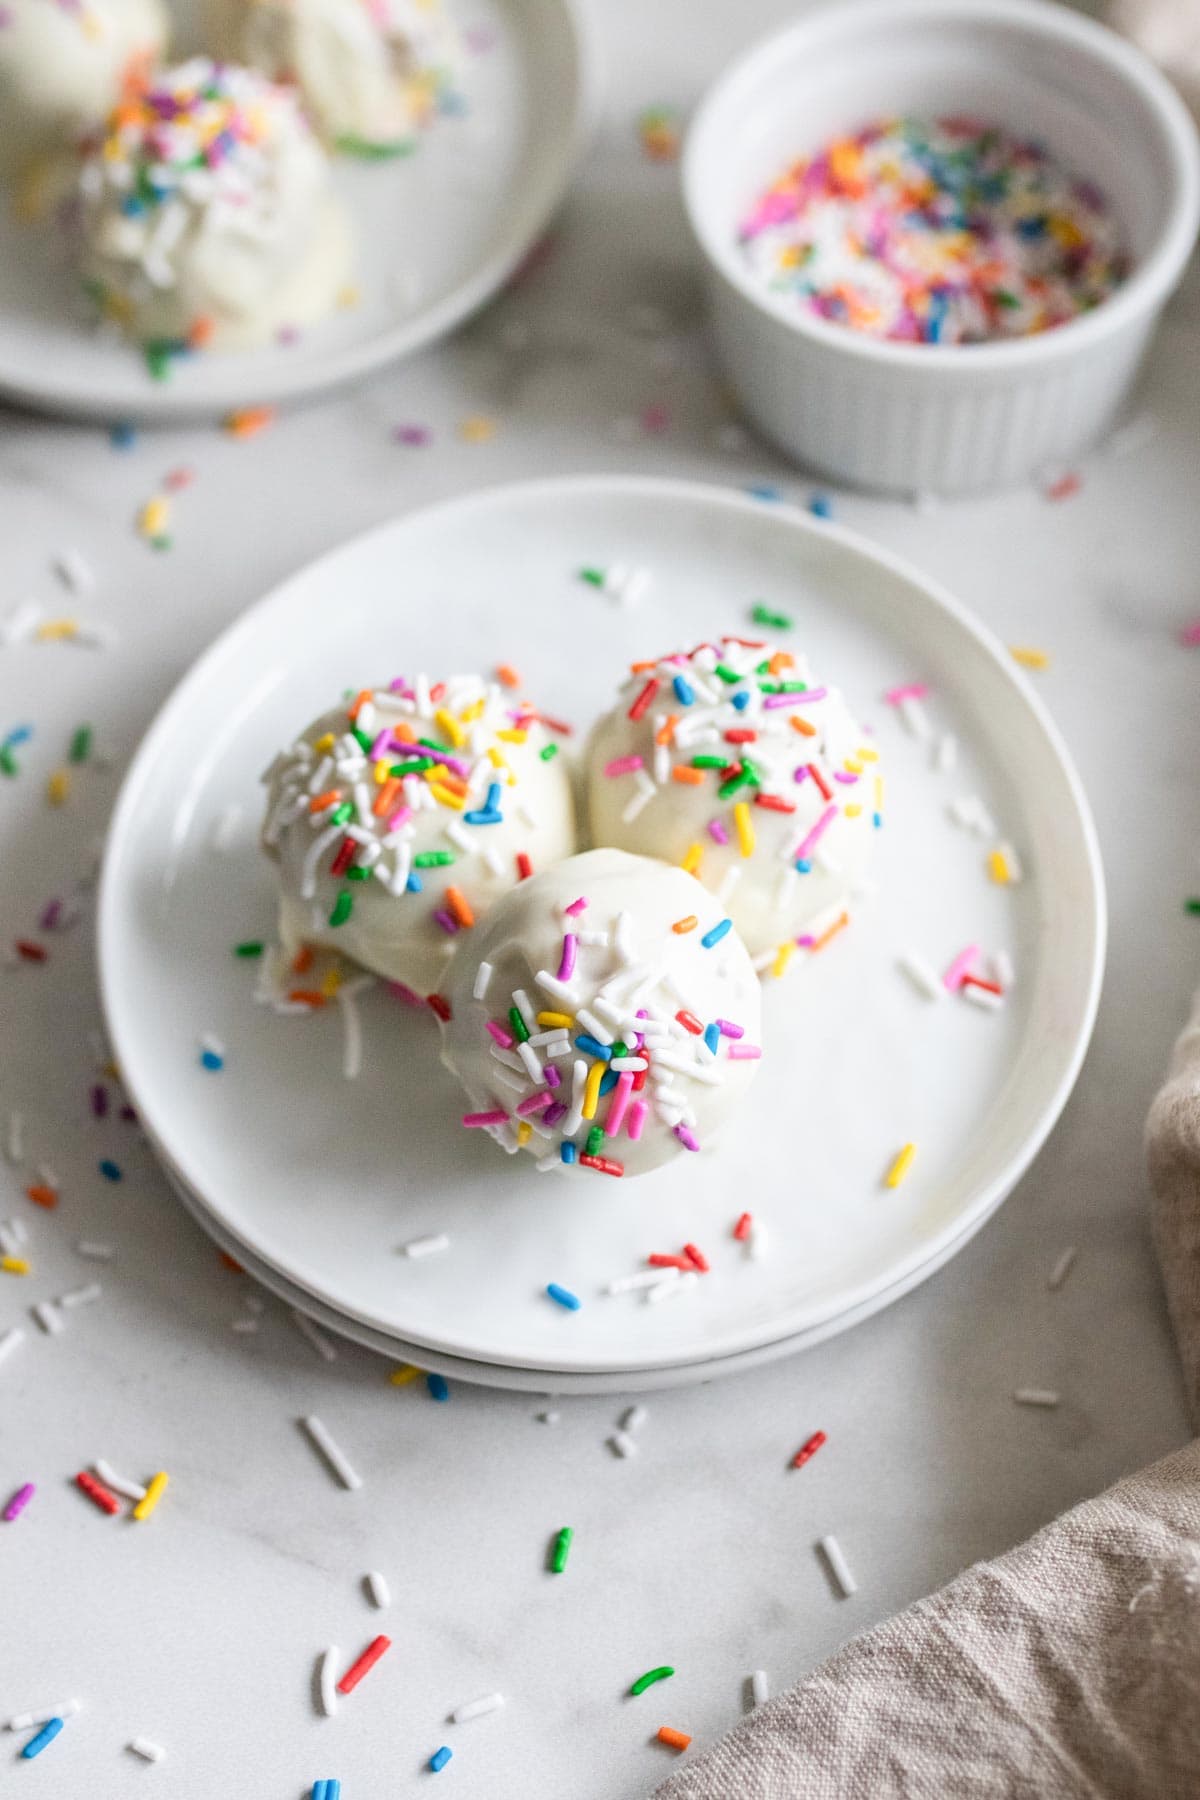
(307, 997)
(782, 659)
(801, 725)
(459, 906)
(666, 730)
(200, 331)
(319, 802)
(303, 960)
(508, 676)
(688, 924)
(404, 732)
(441, 777)
(690, 777)
(838, 925)
(43, 1195)
(678, 1740)
(248, 421)
(640, 668)
(387, 796)
(230, 1262)
(360, 700)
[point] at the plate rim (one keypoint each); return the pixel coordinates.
(562, 489)
(292, 382)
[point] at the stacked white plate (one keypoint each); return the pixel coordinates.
(316, 1183)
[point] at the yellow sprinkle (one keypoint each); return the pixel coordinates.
(524, 1132)
(901, 1166)
(381, 771)
(745, 830)
(496, 757)
(446, 722)
(852, 811)
(866, 755)
(691, 861)
(851, 767)
(403, 1375)
(555, 1021)
(591, 1092)
(445, 797)
(998, 867)
(155, 516)
(879, 793)
(14, 1265)
(470, 713)
(152, 1496)
(57, 628)
(1028, 657)
(325, 742)
(348, 296)
(513, 736)
(58, 787)
(477, 429)
(331, 983)
(783, 957)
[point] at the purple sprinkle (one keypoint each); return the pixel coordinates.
(415, 436)
(717, 832)
(18, 1503)
(398, 685)
(840, 775)
(570, 949)
(382, 740)
(728, 1029)
(100, 1101)
(801, 773)
(129, 1116)
(445, 920)
(553, 1078)
(687, 1137)
(805, 942)
(553, 1114)
(51, 914)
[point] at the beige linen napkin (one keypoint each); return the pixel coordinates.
(1069, 1667)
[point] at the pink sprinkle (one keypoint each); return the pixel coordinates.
(536, 1103)
(744, 1052)
(18, 1503)
(403, 992)
(816, 834)
(655, 418)
(1190, 634)
(728, 1029)
(623, 765)
(482, 1119)
(446, 920)
(1064, 487)
(400, 817)
(844, 776)
(717, 832)
(553, 1078)
(99, 1101)
(178, 479)
(636, 1119)
(381, 743)
(687, 1137)
(576, 907)
(952, 980)
(912, 690)
(776, 700)
(744, 1226)
(570, 949)
(414, 436)
(619, 1103)
(502, 1037)
(805, 941)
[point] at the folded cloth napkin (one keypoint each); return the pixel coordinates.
(1069, 1667)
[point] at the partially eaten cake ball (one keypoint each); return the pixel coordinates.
(735, 761)
(400, 816)
(605, 1016)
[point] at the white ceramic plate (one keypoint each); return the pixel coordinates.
(436, 235)
(322, 1179)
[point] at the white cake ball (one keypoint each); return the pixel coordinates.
(735, 761)
(398, 818)
(605, 1016)
(62, 68)
(371, 73)
(208, 212)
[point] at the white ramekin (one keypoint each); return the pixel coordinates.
(924, 418)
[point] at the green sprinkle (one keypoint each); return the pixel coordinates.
(708, 762)
(740, 780)
(160, 543)
(764, 667)
(593, 577)
(783, 687)
(1193, 907)
(650, 1677)
(595, 1139)
(252, 947)
(416, 767)
(158, 359)
(561, 1550)
(364, 741)
(433, 859)
(360, 872)
(620, 1048)
(549, 753)
(343, 906)
(776, 621)
(81, 745)
(430, 744)
(372, 150)
(342, 813)
(520, 1028)
(728, 674)
(1002, 297)
(8, 762)
(751, 771)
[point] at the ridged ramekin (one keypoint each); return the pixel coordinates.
(927, 418)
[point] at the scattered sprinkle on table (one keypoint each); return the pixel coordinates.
(332, 1453)
(1036, 1397)
(839, 1569)
(150, 1499)
(45, 1736)
(658, 132)
(648, 1680)
(248, 421)
(476, 1709)
(110, 1170)
(328, 1789)
(560, 1550)
(438, 1386)
(19, 1502)
(760, 1691)
(675, 1740)
(379, 1646)
(808, 1449)
(477, 428)
(378, 1592)
(1029, 656)
(440, 1758)
(1062, 1268)
(327, 1680)
(145, 1748)
(563, 1297)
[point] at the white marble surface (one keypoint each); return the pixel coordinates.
(200, 1628)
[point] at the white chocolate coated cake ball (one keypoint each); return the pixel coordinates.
(398, 818)
(737, 762)
(605, 1017)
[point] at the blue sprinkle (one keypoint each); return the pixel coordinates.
(803, 865)
(721, 929)
(440, 1758)
(563, 1296)
(742, 699)
(20, 734)
(330, 1789)
(109, 1170)
(762, 490)
(821, 506)
(209, 1059)
(685, 693)
(483, 817)
(608, 1081)
(439, 1387)
(492, 802)
(592, 1047)
(567, 1151)
(414, 884)
(712, 1037)
(122, 435)
(46, 1735)
(878, 817)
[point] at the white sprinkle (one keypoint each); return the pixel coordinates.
(924, 979)
(592, 1024)
(426, 1246)
(81, 1296)
(74, 571)
(477, 1709)
(1035, 1397)
(225, 829)
(48, 1317)
(981, 997)
(211, 1042)
(645, 1278)
(524, 1006)
(334, 1456)
(758, 1241)
(146, 1749)
(318, 1340)
(19, 625)
(970, 812)
(10, 1241)
(40, 1714)
(352, 1037)
(667, 1290)
(14, 1143)
(312, 859)
(547, 1418)
(377, 1589)
(838, 1567)
(327, 1667)
(945, 757)
(1062, 1268)
(9, 1340)
(1000, 969)
(916, 719)
(483, 976)
(529, 1057)
(621, 1444)
(637, 804)
(759, 1689)
(633, 1418)
(120, 1484)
